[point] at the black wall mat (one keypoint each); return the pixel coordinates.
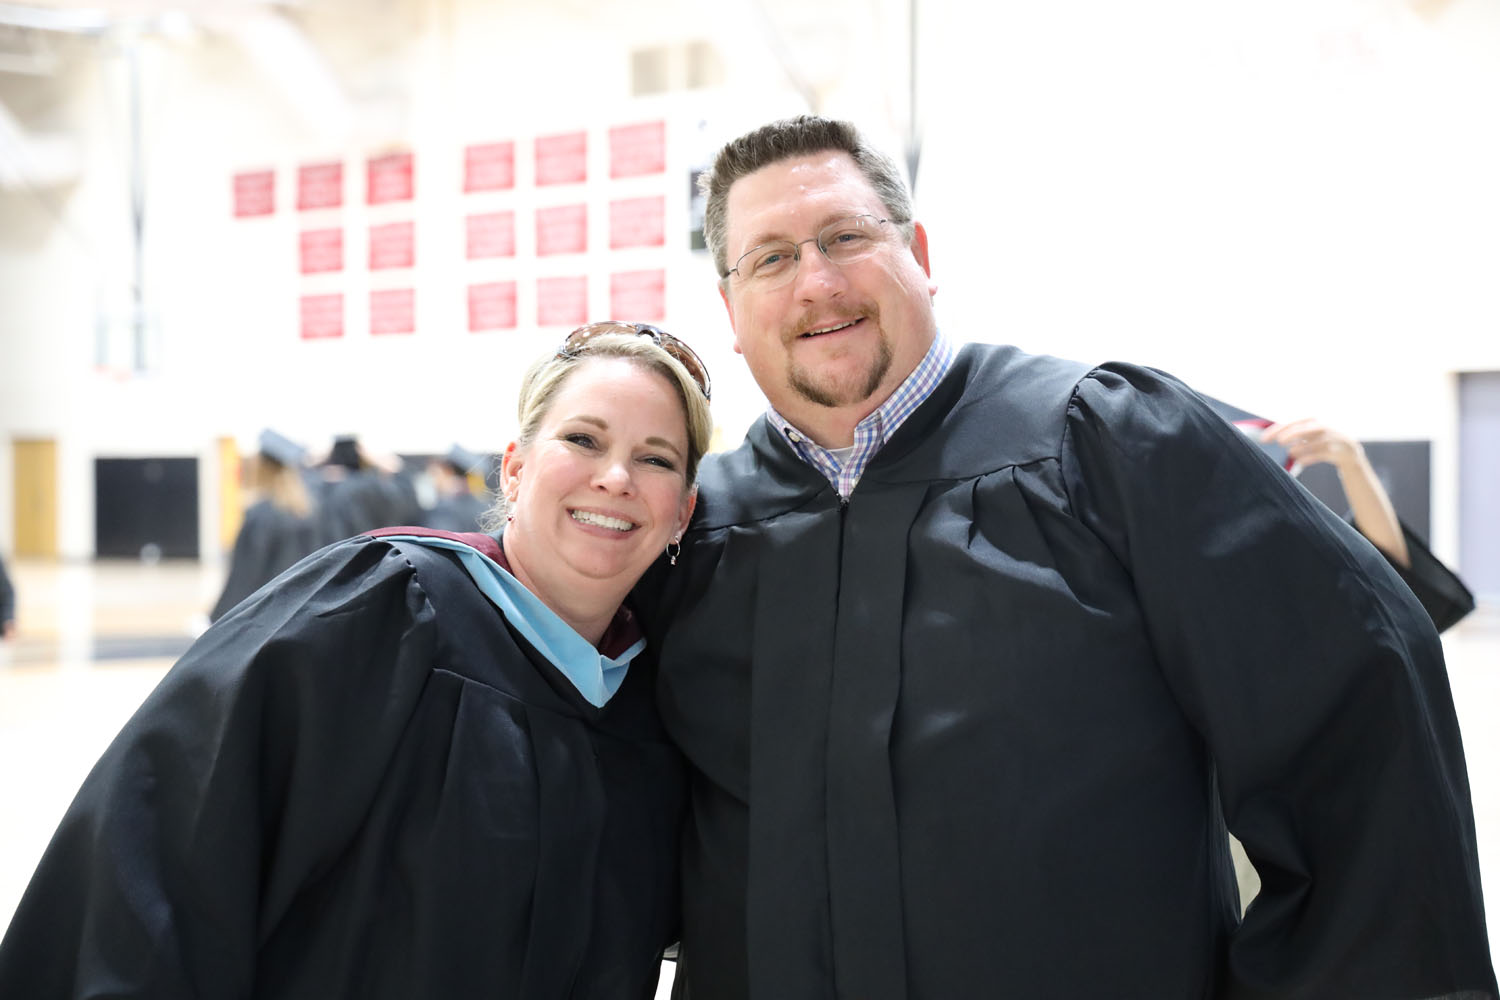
(146, 507)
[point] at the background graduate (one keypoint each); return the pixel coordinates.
(456, 507)
(419, 765)
(7, 605)
(279, 527)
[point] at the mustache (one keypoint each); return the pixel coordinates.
(823, 319)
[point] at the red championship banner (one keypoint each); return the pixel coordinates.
(254, 193)
(321, 250)
(562, 301)
(389, 178)
(393, 310)
(393, 244)
(492, 234)
(322, 316)
(562, 159)
(492, 306)
(562, 229)
(638, 295)
(490, 167)
(320, 185)
(636, 150)
(638, 222)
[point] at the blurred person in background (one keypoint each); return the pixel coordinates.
(457, 507)
(422, 764)
(359, 490)
(7, 604)
(1309, 441)
(280, 526)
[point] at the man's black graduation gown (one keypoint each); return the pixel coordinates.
(363, 784)
(976, 732)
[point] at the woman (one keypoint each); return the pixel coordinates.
(279, 528)
(418, 766)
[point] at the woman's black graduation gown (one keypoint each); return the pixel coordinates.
(977, 731)
(363, 785)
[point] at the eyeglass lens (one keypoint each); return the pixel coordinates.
(842, 241)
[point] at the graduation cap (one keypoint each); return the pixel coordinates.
(281, 449)
(345, 452)
(462, 460)
(1251, 425)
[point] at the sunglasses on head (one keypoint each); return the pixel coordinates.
(574, 345)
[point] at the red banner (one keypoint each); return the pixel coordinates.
(320, 185)
(562, 229)
(321, 250)
(491, 234)
(492, 306)
(638, 222)
(490, 167)
(254, 193)
(393, 244)
(393, 310)
(562, 159)
(562, 301)
(638, 295)
(322, 316)
(389, 178)
(636, 150)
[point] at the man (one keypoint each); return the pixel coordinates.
(974, 655)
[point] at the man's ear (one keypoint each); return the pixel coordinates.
(919, 251)
(729, 308)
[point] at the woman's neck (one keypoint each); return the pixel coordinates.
(585, 611)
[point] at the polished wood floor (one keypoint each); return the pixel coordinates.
(95, 638)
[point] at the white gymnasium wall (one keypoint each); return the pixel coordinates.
(1289, 203)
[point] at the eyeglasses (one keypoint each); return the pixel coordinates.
(574, 346)
(842, 241)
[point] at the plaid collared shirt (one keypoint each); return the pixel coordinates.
(876, 429)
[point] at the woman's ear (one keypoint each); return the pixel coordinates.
(510, 471)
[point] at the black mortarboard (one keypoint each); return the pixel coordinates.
(345, 452)
(280, 448)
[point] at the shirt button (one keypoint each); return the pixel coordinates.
(794, 436)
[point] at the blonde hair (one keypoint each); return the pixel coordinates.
(282, 485)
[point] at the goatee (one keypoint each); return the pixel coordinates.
(832, 394)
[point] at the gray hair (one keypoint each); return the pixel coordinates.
(785, 140)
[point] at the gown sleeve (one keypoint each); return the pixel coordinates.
(1444, 596)
(237, 782)
(1318, 686)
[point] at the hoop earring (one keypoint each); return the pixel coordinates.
(672, 556)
